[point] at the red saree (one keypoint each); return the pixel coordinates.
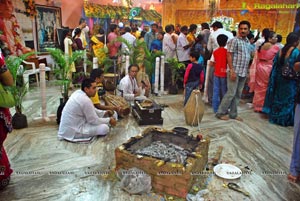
(5, 127)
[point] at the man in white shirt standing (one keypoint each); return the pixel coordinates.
(169, 48)
(211, 46)
(183, 46)
(131, 39)
(80, 120)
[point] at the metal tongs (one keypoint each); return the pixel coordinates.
(237, 188)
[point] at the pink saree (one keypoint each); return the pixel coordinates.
(263, 69)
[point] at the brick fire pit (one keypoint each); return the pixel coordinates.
(174, 178)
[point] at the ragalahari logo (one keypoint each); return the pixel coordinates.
(261, 6)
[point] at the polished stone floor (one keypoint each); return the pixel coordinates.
(48, 169)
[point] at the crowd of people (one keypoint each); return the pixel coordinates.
(224, 61)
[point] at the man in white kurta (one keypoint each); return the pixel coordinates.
(80, 120)
(183, 46)
(131, 39)
(128, 84)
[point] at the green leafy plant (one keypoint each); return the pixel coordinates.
(140, 54)
(64, 66)
(19, 89)
(149, 60)
(175, 67)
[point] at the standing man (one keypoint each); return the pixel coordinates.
(113, 45)
(183, 46)
(212, 44)
(205, 32)
(131, 39)
(169, 48)
(80, 120)
(151, 35)
(238, 58)
(191, 35)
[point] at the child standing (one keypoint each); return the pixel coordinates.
(220, 63)
(194, 75)
(156, 44)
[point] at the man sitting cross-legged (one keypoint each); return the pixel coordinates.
(80, 120)
(97, 75)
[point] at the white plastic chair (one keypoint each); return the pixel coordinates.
(29, 72)
(34, 71)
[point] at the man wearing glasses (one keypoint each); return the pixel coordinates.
(128, 85)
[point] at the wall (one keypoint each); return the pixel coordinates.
(185, 12)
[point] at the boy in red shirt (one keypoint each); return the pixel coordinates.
(193, 76)
(220, 64)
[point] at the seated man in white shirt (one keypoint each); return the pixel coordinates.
(128, 85)
(80, 120)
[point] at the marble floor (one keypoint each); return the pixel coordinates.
(48, 169)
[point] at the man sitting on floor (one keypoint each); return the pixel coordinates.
(80, 120)
(97, 75)
(128, 85)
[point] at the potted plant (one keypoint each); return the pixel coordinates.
(62, 72)
(19, 89)
(175, 67)
(140, 54)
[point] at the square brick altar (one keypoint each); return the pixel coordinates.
(168, 177)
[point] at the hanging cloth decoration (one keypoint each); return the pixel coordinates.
(134, 12)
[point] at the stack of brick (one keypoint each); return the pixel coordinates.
(167, 177)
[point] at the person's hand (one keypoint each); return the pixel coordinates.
(232, 75)
(117, 109)
(109, 113)
(112, 121)
(136, 93)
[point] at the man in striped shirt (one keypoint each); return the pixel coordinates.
(238, 58)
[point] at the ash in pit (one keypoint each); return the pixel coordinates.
(167, 152)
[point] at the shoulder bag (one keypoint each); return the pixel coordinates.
(288, 72)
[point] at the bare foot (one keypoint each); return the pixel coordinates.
(292, 178)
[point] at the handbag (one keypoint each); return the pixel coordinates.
(6, 98)
(288, 72)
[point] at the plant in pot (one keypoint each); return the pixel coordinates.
(62, 72)
(141, 55)
(19, 89)
(149, 61)
(175, 67)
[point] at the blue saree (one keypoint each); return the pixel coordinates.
(280, 97)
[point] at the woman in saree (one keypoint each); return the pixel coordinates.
(280, 96)
(265, 55)
(98, 42)
(5, 126)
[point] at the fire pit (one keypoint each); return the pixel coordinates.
(170, 158)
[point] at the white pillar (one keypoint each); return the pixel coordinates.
(156, 75)
(162, 74)
(43, 90)
(95, 62)
(205, 96)
(127, 64)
